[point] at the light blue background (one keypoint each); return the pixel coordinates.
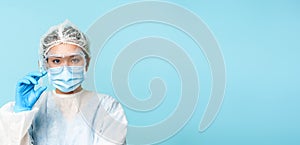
(260, 45)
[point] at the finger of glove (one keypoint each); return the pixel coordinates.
(33, 98)
(40, 90)
(21, 87)
(23, 81)
(25, 85)
(31, 79)
(37, 75)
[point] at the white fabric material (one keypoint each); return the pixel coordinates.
(84, 118)
(65, 32)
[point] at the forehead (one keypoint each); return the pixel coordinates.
(64, 49)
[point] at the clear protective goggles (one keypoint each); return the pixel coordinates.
(59, 60)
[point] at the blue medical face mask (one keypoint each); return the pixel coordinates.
(66, 78)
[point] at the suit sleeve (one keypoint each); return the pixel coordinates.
(14, 126)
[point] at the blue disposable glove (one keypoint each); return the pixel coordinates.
(26, 95)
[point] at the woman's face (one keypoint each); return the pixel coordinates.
(65, 55)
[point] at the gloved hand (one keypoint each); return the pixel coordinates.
(26, 95)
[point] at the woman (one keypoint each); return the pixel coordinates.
(68, 115)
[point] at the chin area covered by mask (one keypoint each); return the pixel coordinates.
(66, 78)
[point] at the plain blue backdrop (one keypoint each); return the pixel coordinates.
(259, 41)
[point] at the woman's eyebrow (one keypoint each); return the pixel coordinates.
(56, 56)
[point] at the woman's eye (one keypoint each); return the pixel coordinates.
(56, 61)
(75, 60)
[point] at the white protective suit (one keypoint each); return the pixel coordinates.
(83, 118)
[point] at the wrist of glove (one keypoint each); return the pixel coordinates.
(18, 108)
